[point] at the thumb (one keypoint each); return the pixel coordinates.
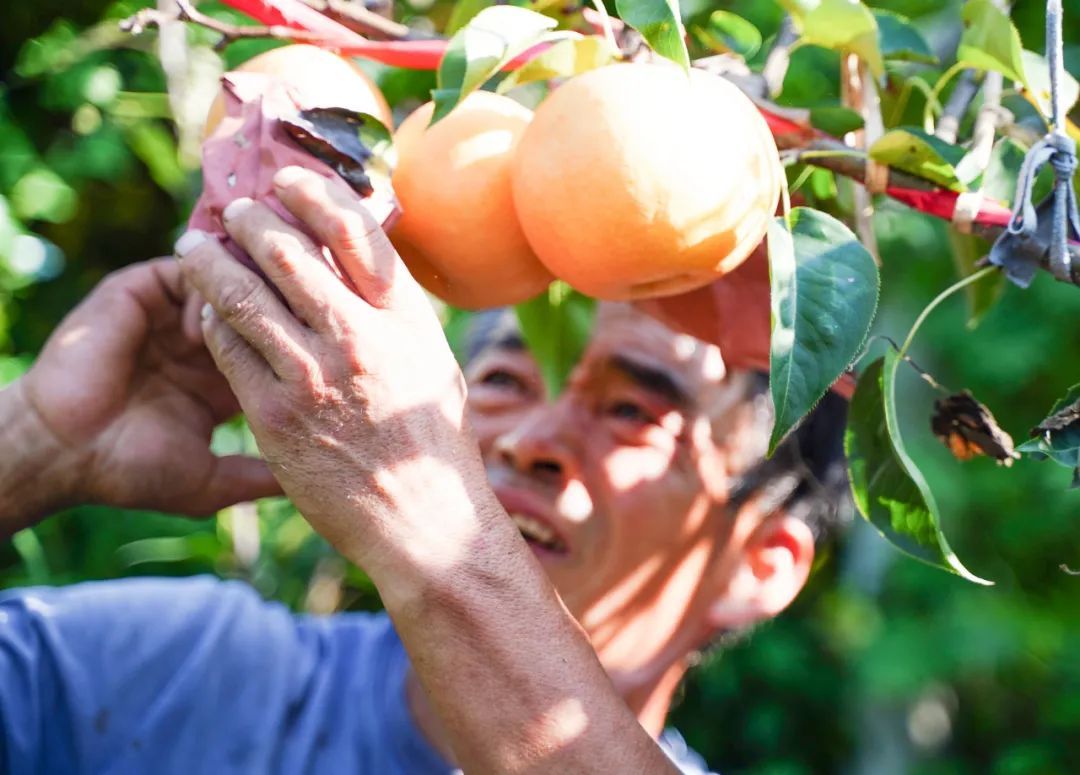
(234, 479)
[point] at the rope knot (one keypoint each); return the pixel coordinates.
(1063, 160)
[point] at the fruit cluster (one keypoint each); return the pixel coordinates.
(630, 181)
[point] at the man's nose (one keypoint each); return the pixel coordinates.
(540, 445)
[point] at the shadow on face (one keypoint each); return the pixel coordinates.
(620, 483)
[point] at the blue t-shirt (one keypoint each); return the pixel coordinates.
(203, 676)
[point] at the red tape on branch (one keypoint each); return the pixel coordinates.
(409, 54)
(942, 203)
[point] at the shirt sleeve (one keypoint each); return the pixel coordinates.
(192, 675)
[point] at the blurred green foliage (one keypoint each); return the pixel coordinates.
(883, 665)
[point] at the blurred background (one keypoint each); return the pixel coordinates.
(883, 665)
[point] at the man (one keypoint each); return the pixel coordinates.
(641, 491)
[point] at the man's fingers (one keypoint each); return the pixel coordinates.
(235, 479)
(248, 374)
(291, 261)
(191, 322)
(339, 220)
(243, 301)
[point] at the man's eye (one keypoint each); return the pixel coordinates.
(501, 378)
(627, 410)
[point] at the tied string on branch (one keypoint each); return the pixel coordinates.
(1038, 235)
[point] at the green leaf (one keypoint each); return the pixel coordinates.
(659, 23)
(990, 41)
(1062, 445)
(464, 11)
(156, 148)
(913, 150)
(835, 119)
(482, 48)
(1037, 73)
(43, 195)
(555, 326)
(51, 51)
(899, 40)
(726, 31)
(565, 58)
(889, 490)
(17, 152)
(824, 295)
(844, 25)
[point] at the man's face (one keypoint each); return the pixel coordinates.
(619, 483)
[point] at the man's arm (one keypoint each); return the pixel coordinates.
(35, 477)
(119, 409)
(358, 406)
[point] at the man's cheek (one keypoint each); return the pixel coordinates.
(631, 467)
(488, 426)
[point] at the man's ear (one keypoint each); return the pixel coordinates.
(769, 572)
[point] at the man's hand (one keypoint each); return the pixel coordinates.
(120, 407)
(358, 405)
(356, 400)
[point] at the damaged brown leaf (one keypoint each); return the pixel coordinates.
(1059, 420)
(336, 137)
(969, 429)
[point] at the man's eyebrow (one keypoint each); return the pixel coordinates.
(653, 379)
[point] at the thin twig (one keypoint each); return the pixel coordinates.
(776, 63)
(989, 118)
(365, 21)
(959, 285)
(956, 106)
(149, 18)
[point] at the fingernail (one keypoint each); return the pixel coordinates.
(206, 312)
(235, 208)
(287, 176)
(188, 241)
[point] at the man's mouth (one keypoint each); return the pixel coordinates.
(538, 534)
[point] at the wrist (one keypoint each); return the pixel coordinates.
(449, 527)
(39, 477)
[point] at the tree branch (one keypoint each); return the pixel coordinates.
(776, 64)
(149, 18)
(365, 21)
(959, 100)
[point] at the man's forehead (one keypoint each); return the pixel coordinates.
(620, 330)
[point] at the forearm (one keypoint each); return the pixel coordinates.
(34, 478)
(512, 678)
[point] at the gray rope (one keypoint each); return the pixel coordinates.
(1024, 243)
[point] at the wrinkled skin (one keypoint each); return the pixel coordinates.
(344, 417)
(128, 397)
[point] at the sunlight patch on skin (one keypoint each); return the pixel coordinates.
(74, 336)
(625, 476)
(574, 502)
(623, 634)
(686, 346)
(559, 726)
(619, 597)
(429, 484)
(712, 364)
